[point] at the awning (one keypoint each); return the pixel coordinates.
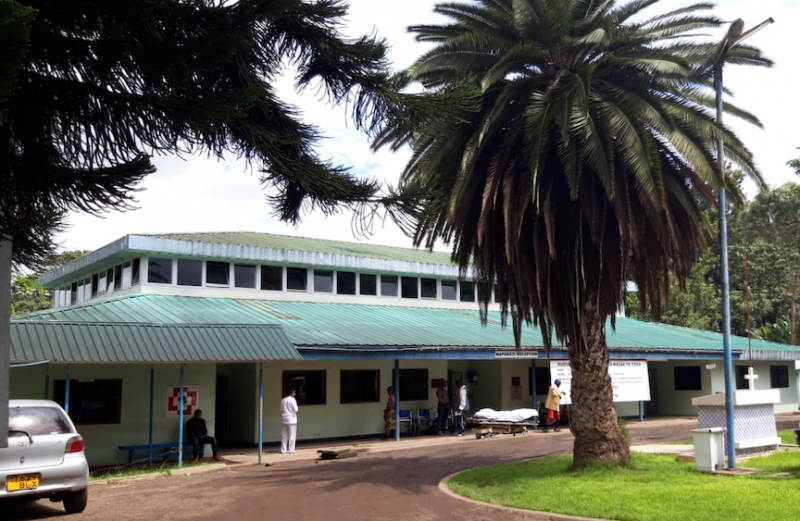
(96, 343)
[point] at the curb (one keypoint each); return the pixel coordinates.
(202, 469)
(523, 514)
(128, 479)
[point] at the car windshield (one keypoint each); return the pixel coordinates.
(37, 421)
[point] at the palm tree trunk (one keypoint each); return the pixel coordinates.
(593, 417)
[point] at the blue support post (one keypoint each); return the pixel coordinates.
(180, 426)
(396, 400)
(641, 411)
(726, 291)
(260, 412)
(150, 430)
(66, 393)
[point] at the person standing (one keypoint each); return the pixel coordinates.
(389, 424)
(443, 407)
(463, 407)
(289, 422)
(553, 406)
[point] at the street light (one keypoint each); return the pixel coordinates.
(734, 36)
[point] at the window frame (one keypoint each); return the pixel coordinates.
(275, 269)
(450, 283)
(687, 368)
(422, 386)
(422, 282)
(286, 383)
(325, 274)
(361, 285)
(415, 287)
(216, 264)
(377, 373)
(289, 270)
(159, 260)
(396, 286)
(254, 279)
(186, 263)
(472, 291)
(78, 389)
(773, 377)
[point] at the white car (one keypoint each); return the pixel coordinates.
(45, 457)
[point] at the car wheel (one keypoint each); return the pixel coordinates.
(75, 502)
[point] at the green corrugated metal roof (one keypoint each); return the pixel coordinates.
(284, 242)
(328, 324)
(91, 342)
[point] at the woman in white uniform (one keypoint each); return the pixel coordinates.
(289, 419)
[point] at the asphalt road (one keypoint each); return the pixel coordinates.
(396, 485)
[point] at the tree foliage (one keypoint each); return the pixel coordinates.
(27, 294)
(588, 160)
(104, 85)
(767, 228)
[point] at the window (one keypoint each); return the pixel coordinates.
(135, 272)
(496, 293)
(126, 275)
(272, 278)
(409, 287)
(310, 386)
(542, 381)
(73, 293)
(741, 381)
(688, 379)
(449, 290)
(118, 277)
(159, 271)
(95, 284)
(91, 402)
(428, 288)
(359, 386)
(368, 284)
(102, 284)
(37, 421)
(467, 291)
(297, 279)
(413, 384)
(190, 272)
(389, 285)
(218, 273)
(323, 281)
(778, 376)
(244, 276)
(80, 292)
(110, 279)
(345, 283)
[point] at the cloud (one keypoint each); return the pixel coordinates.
(202, 194)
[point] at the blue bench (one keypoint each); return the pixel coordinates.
(169, 450)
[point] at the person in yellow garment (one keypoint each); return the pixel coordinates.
(553, 406)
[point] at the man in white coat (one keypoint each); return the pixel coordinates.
(289, 419)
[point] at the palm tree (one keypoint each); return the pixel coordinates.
(585, 163)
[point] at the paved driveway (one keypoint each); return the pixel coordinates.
(396, 485)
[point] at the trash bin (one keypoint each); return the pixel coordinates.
(709, 448)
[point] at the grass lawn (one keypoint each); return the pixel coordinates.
(787, 436)
(654, 488)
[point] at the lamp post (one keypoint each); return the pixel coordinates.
(734, 36)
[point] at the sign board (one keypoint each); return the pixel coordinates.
(191, 399)
(510, 354)
(629, 379)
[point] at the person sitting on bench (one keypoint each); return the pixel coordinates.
(197, 432)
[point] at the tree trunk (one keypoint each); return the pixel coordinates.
(793, 340)
(5, 335)
(593, 416)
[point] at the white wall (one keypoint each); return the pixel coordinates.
(333, 419)
(102, 440)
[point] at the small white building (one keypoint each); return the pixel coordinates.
(336, 316)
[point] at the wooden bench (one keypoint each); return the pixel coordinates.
(168, 450)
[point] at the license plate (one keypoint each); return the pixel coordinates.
(22, 482)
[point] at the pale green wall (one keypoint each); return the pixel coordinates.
(511, 369)
(102, 440)
(333, 419)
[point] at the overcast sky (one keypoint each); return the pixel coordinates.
(199, 194)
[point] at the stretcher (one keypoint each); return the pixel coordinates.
(486, 424)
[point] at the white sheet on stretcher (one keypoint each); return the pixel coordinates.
(517, 415)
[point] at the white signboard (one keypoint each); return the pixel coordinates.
(629, 379)
(515, 353)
